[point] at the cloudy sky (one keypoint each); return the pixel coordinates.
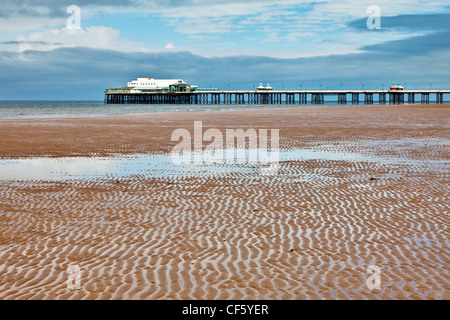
(291, 44)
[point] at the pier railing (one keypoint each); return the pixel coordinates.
(276, 97)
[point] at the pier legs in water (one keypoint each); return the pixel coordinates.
(396, 98)
(263, 98)
(342, 98)
(368, 98)
(302, 98)
(317, 98)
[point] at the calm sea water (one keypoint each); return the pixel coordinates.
(47, 109)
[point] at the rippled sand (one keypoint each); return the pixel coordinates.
(310, 232)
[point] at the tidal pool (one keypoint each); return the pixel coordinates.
(163, 165)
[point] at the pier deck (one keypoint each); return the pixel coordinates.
(276, 97)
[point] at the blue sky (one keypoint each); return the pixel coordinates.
(286, 43)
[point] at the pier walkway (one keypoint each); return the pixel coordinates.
(277, 97)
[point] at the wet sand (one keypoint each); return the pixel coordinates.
(309, 232)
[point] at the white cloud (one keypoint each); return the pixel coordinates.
(285, 28)
(298, 28)
(205, 15)
(22, 23)
(91, 37)
(169, 45)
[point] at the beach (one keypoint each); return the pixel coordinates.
(367, 192)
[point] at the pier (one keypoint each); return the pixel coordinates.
(277, 97)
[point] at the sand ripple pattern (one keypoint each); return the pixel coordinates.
(310, 232)
(234, 237)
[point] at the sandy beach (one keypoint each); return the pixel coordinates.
(311, 231)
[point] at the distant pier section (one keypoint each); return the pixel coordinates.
(177, 91)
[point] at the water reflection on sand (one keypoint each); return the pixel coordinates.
(162, 165)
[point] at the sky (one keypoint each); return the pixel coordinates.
(74, 50)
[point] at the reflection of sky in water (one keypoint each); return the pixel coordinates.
(162, 165)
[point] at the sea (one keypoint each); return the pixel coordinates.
(49, 109)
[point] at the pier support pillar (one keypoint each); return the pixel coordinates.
(342, 98)
(396, 98)
(290, 98)
(302, 98)
(382, 98)
(317, 98)
(368, 98)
